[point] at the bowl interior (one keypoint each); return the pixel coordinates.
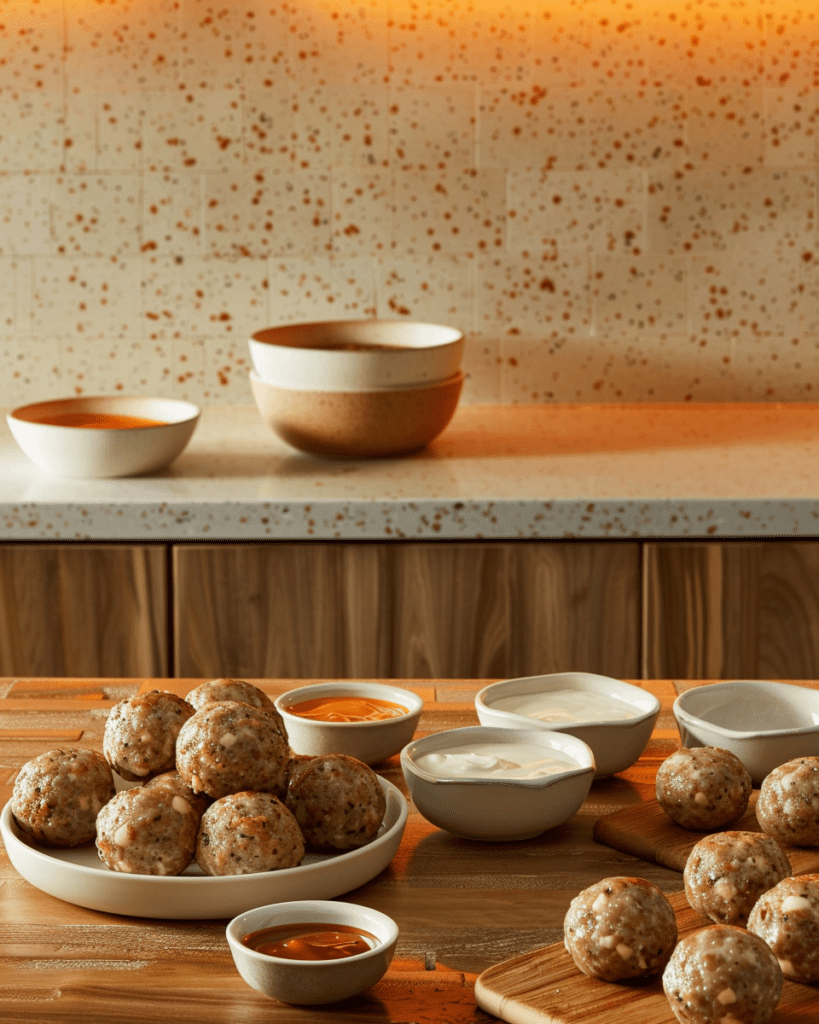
(394, 694)
(356, 336)
(568, 698)
(751, 707)
(166, 410)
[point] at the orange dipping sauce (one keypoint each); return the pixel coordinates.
(347, 709)
(100, 420)
(311, 941)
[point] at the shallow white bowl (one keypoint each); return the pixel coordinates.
(91, 452)
(765, 724)
(499, 809)
(311, 983)
(370, 742)
(616, 742)
(408, 353)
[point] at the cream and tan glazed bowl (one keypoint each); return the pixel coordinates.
(358, 424)
(356, 355)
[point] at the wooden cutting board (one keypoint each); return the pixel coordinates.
(545, 987)
(646, 831)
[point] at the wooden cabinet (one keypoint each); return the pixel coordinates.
(406, 610)
(83, 610)
(731, 610)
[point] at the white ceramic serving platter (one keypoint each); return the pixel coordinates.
(77, 876)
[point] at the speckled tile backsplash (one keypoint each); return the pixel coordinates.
(616, 200)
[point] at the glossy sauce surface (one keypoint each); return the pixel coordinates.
(500, 761)
(347, 709)
(100, 420)
(568, 706)
(312, 941)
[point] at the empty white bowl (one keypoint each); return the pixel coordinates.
(90, 451)
(370, 742)
(499, 809)
(356, 355)
(615, 718)
(312, 982)
(765, 724)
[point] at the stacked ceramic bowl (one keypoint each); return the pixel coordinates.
(357, 388)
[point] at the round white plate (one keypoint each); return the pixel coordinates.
(77, 876)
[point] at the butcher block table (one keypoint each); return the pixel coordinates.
(461, 907)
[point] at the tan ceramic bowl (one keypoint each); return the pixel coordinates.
(356, 355)
(358, 424)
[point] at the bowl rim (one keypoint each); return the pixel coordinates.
(191, 409)
(455, 337)
(346, 913)
(353, 688)
(540, 737)
(452, 380)
(689, 718)
(591, 682)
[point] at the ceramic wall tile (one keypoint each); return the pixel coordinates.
(31, 370)
(614, 199)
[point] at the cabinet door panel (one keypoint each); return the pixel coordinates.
(83, 610)
(280, 610)
(732, 610)
(576, 608)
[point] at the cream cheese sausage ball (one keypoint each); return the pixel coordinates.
(788, 803)
(217, 691)
(147, 831)
(336, 799)
(140, 734)
(244, 833)
(727, 872)
(787, 918)
(620, 928)
(722, 974)
(57, 795)
(703, 788)
(231, 747)
(173, 780)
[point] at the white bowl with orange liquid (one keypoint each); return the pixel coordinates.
(101, 436)
(368, 721)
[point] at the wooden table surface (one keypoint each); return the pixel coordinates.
(460, 906)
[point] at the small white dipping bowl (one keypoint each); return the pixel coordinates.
(616, 723)
(312, 982)
(765, 724)
(370, 742)
(98, 452)
(499, 809)
(356, 355)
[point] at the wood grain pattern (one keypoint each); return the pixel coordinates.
(76, 609)
(733, 610)
(545, 987)
(646, 831)
(405, 609)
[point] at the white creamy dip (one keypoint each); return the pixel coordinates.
(568, 706)
(501, 761)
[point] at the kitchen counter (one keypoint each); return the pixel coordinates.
(503, 472)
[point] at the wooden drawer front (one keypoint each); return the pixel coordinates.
(83, 610)
(406, 610)
(733, 610)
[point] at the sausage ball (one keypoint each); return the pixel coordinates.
(727, 872)
(620, 928)
(147, 831)
(788, 803)
(140, 734)
(337, 801)
(787, 918)
(173, 780)
(722, 974)
(218, 691)
(248, 832)
(703, 788)
(231, 747)
(57, 796)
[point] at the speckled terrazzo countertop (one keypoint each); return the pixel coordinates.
(553, 471)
